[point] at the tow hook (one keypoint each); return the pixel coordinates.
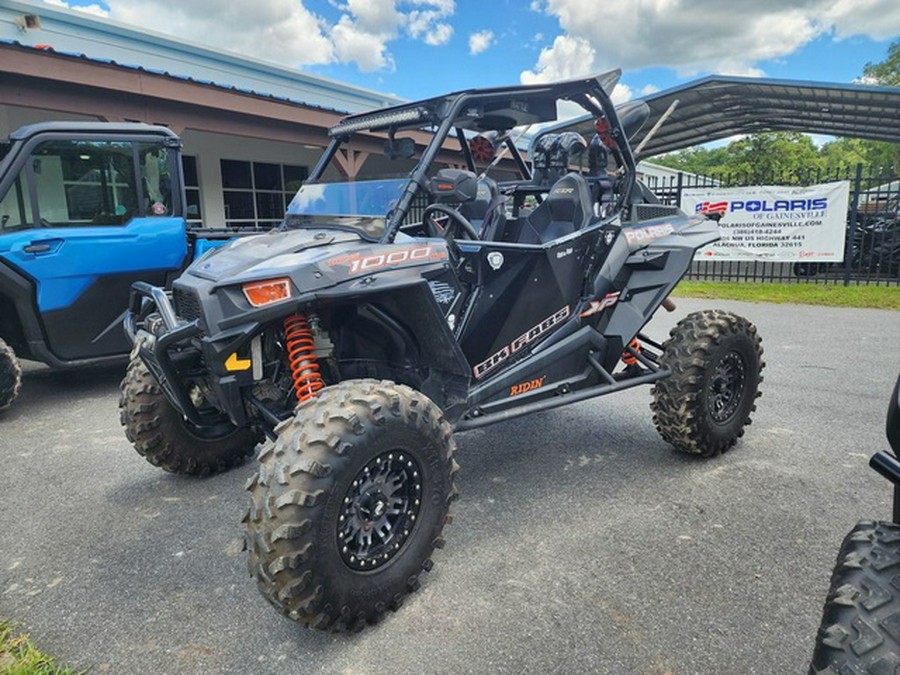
(142, 340)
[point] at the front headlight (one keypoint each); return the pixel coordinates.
(262, 293)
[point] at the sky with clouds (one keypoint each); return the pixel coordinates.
(419, 48)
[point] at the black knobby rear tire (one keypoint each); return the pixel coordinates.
(860, 628)
(10, 376)
(164, 438)
(716, 363)
(303, 497)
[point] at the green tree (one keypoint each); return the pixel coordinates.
(700, 160)
(885, 157)
(879, 156)
(887, 72)
(787, 154)
(784, 154)
(882, 156)
(844, 152)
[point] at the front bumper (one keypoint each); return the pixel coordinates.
(164, 346)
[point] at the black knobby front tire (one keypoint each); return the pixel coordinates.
(860, 629)
(304, 498)
(164, 438)
(716, 362)
(10, 376)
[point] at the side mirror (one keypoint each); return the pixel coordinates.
(399, 148)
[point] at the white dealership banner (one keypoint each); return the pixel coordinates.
(770, 222)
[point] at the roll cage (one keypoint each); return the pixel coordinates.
(498, 110)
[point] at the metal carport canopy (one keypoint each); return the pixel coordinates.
(720, 106)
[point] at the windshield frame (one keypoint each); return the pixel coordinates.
(589, 93)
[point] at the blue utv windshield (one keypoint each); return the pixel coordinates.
(361, 205)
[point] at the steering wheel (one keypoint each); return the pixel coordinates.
(457, 221)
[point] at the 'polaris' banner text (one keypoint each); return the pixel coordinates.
(776, 223)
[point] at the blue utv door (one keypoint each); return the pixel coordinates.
(81, 221)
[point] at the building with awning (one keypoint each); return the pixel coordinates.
(251, 129)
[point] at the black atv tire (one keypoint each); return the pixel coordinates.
(802, 269)
(164, 438)
(308, 494)
(10, 376)
(860, 629)
(716, 362)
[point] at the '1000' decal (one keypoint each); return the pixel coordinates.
(357, 263)
(520, 342)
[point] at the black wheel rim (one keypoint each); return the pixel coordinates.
(726, 388)
(379, 510)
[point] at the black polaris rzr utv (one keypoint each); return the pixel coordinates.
(444, 286)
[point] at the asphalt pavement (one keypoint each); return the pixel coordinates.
(582, 542)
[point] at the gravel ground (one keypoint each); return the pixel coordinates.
(582, 543)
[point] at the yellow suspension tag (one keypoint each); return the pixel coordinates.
(233, 363)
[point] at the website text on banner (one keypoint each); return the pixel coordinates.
(771, 222)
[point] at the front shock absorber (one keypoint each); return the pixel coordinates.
(301, 350)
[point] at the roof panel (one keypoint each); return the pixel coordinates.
(164, 73)
(719, 106)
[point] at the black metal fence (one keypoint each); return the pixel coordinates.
(872, 245)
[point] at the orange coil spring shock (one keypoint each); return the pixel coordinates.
(301, 349)
(627, 358)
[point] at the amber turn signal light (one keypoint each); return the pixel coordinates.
(262, 293)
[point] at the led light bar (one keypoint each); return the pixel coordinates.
(376, 120)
